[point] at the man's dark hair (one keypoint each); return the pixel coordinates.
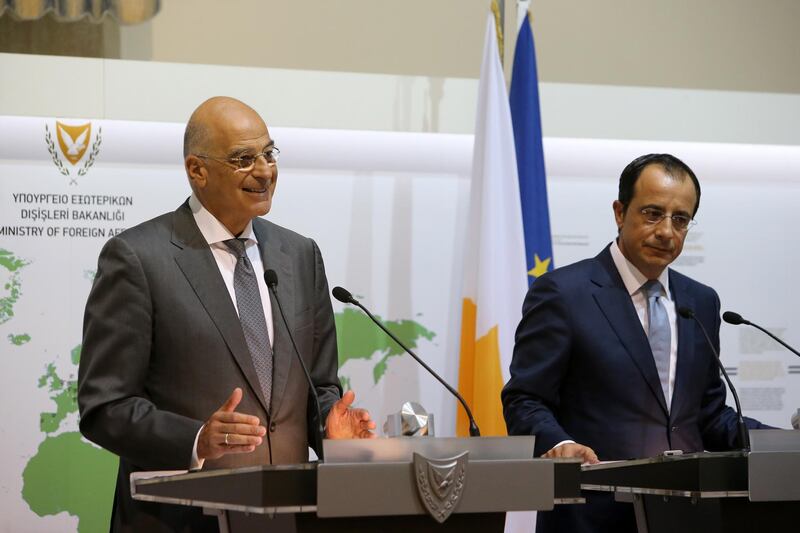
(671, 165)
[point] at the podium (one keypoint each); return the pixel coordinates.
(726, 492)
(387, 485)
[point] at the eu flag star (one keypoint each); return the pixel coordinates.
(539, 266)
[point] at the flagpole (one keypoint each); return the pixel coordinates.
(497, 8)
(507, 19)
(509, 38)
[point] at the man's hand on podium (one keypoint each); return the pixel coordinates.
(227, 431)
(345, 422)
(572, 449)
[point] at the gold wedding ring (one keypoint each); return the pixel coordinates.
(226, 439)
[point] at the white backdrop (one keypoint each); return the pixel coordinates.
(388, 211)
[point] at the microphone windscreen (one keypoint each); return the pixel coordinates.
(342, 294)
(270, 278)
(685, 312)
(732, 318)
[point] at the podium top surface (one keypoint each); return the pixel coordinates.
(401, 449)
(627, 463)
(703, 475)
(774, 440)
(257, 489)
(496, 484)
(155, 477)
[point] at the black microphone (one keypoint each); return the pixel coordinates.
(735, 318)
(744, 439)
(271, 279)
(344, 296)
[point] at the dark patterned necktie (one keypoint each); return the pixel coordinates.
(658, 332)
(251, 315)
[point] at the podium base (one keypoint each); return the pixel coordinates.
(667, 514)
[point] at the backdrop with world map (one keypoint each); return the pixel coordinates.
(389, 213)
(54, 223)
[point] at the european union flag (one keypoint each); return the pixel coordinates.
(527, 123)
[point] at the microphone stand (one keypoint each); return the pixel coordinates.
(344, 296)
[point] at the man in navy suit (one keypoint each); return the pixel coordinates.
(604, 368)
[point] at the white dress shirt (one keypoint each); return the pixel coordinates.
(215, 233)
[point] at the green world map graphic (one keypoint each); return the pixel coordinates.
(11, 292)
(69, 475)
(359, 338)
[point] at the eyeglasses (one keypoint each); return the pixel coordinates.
(248, 162)
(679, 222)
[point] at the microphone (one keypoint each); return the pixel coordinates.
(744, 440)
(271, 279)
(735, 318)
(344, 296)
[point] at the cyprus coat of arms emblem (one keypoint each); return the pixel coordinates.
(440, 483)
(73, 142)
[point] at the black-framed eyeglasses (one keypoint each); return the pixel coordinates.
(654, 216)
(247, 162)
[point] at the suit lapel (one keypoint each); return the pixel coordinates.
(685, 331)
(614, 301)
(273, 256)
(198, 265)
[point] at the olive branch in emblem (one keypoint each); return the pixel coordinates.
(93, 154)
(51, 147)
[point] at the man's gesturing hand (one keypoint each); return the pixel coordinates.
(344, 422)
(571, 449)
(228, 431)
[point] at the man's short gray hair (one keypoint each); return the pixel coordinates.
(195, 138)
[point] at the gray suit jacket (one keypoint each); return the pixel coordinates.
(163, 348)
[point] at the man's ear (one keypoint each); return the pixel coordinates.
(196, 171)
(619, 213)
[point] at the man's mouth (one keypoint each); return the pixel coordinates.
(256, 191)
(659, 249)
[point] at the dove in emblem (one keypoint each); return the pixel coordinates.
(74, 146)
(443, 479)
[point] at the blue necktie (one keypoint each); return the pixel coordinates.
(658, 332)
(251, 315)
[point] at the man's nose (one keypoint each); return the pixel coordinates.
(664, 228)
(264, 167)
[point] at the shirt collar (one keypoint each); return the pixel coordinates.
(631, 277)
(212, 229)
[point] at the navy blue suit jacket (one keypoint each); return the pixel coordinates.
(583, 370)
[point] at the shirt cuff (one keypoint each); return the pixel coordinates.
(196, 463)
(568, 441)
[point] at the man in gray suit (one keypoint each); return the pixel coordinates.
(170, 377)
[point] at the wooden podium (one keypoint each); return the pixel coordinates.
(387, 485)
(725, 492)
